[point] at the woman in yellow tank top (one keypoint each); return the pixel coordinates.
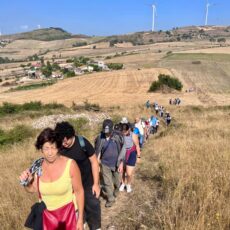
(59, 180)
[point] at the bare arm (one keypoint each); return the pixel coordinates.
(78, 191)
(95, 172)
(136, 142)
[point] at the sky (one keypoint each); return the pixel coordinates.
(108, 17)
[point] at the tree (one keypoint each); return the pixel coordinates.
(212, 40)
(220, 40)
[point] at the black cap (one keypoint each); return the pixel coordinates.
(107, 126)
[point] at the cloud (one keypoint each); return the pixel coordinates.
(39, 26)
(24, 27)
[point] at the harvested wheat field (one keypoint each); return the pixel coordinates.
(112, 88)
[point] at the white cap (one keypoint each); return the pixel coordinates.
(124, 120)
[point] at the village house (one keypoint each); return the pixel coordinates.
(66, 66)
(78, 71)
(87, 68)
(57, 75)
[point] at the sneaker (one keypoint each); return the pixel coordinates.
(128, 188)
(109, 204)
(122, 187)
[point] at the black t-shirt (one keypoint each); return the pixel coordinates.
(82, 158)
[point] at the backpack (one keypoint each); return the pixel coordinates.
(82, 143)
(100, 140)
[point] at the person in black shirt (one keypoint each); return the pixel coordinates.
(89, 168)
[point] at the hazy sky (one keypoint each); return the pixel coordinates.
(107, 17)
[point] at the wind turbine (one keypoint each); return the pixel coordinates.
(207, 11)
(206, 16)
(154, 13)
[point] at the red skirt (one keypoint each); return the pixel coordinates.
(63, 218)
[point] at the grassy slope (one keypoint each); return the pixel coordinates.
(211, 75)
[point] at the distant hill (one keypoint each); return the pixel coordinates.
(47, 34)
(190, 33)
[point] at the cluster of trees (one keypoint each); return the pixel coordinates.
(78, 44)
(78, 61)
(166, 80)
(5, 60)
(115, 66)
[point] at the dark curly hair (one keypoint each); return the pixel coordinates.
(125, 127)
(48, 135)
(64, 129)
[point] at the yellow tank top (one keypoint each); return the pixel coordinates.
(57, 193)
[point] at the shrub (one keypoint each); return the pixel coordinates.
(166, 80)
(33, 105)
(221, 40)
(115, 66)
(155, 86)
(34, 86)
(70, 73)
(54, 105)
(78, 44)
(17, 134)
(196, 62)
(10, 108)
(169, 52)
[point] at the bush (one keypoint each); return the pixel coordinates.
(78, 44)
(70, 73)
(221, 40)
(196, 62)
(155, 86)
(115, 66)
(17, 134)
(10, 108)
(169, 53)
(34, 86)
(33, 105)
(54, 105)
(166, 80)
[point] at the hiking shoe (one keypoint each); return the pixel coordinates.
(128, 188)
(122, 187)
(109, 204)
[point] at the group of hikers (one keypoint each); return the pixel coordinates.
(159, 109)
(176, 101)
(72, 174)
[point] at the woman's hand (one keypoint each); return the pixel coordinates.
(80, 224)
(26, 176)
